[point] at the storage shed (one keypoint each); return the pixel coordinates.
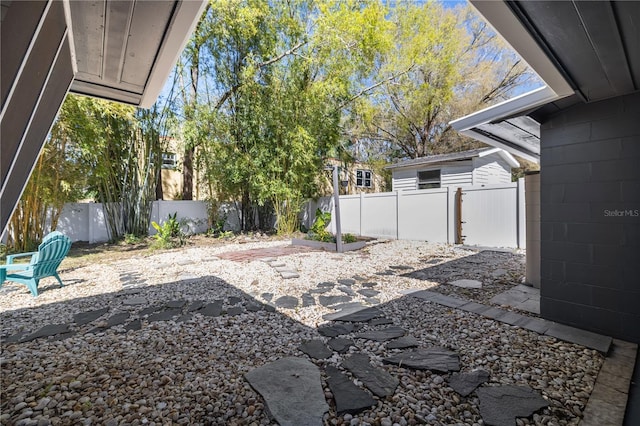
(484, 166)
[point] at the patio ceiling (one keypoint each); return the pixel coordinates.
(585, 51)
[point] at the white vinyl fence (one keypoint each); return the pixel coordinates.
(490, 216)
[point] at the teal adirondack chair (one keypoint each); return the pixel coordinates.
(44, 263)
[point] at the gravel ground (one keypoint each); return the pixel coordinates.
(191, 372)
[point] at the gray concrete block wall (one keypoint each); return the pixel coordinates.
(590, 217)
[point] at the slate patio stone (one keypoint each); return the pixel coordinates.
(292, 390)
(582, 337)
(380, 321)
(15, 337)
(359, 278)
(213, 309)
(403, 342)
(476, 308)
(465, 383)
(316, 349)
(382, 335)
(234, 300)
(267, 296)
(349, 397)
(367, 292)
(86, 317)
(134, 325)
(388, 272)
(354, 315)
(326, 284)
(308, 300)
(400, 267)
(150, 310)
(346, 281)
(436, 359)
(500, 405)
(372, 301)
(289, 274)
(335, 330)
(195, 305)
(235, 310)
(63, 336)
(46, 331)
(117, 319)
(288, 302)
(377, 380)
(321, 290)
(254, 307)
(340, 344)
(347, 306)
(369, 285)
(333, 300)
(135, 301)
(165, 315)
(176, 303)
(347, 290)
(466, 283)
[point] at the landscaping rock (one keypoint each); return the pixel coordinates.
(213, 309)
(292, 391)
(403, 343)
(382, 335)
(287, 302)
(340, 344)
(335, 330)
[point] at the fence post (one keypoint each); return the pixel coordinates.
(451, 215)
(361, 211)
(520, 211)
(397, 214)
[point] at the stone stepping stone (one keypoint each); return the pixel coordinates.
(47, 331)
(277, 265)
(349, 397)
(165, 315)
(498, 273)
(308, 300)
(213, 309)
(340, 344)
(289, 274)
(403, 343)
(134, 325)
(86, 317)
(346, 281)
(14, 338)
(176, 303)
(320, 290)
(380, 321)
(316, 349)
(268, 259)
(359, 278)
(63, 336)
(267, 296)
(333, 300)
(234, 300)
(465, 383)
(196, 305)
(377, 380)
(466, 283)
(288, 302)
(385, 273)
(500, 405)
(133, 301)
(150, 310)
(367, 292)
(369, 285)
(117, 319)
(292, 390)
(382, 335)
(348, 305)
(354, 315)
(335, 329)
(436, 359)
(347, 291)
(235, 310)
(254, 307)
(400, 267)
(372, 301)
(326, 284)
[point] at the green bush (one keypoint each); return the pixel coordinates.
(318, 231)
(349, 238)
(168, 234)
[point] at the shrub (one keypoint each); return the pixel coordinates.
(168, 234)
(318, 231)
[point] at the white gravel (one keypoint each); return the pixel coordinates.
(192, 372)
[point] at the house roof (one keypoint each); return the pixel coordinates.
(583, 51)
(454, 156)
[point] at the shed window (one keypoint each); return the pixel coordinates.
(169, 160)
(429, 179)
(363, 178)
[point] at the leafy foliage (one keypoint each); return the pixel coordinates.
(169, 234)
(318, 230)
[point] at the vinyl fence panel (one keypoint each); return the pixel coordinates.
(350, 214)
(423, 215)
(379, 215)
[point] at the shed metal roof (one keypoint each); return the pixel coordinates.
(454, 156)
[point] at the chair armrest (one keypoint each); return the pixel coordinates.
(20, 266)
(10, 257)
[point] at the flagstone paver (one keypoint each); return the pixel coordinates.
(356, 314)
(382, 335)
(83, 318)
(465, 383)
(377, 380)
(500, 405)
(292, 390)
(349, 397)
(316, 349)
(436, 359)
